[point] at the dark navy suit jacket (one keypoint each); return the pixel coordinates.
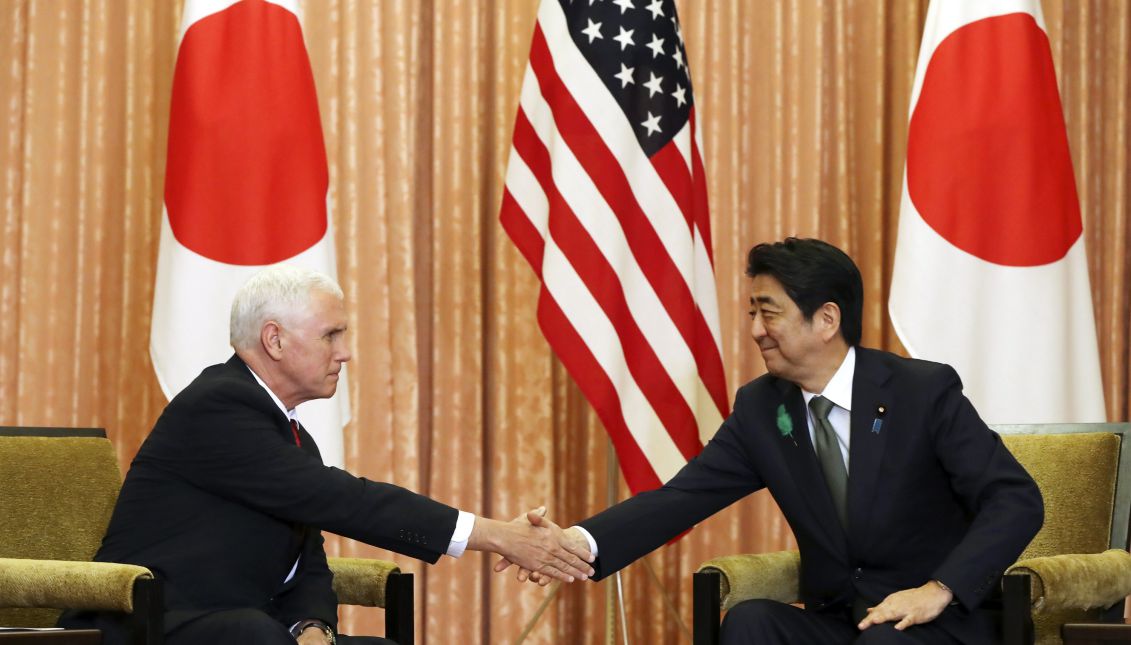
(220, 501)
(934, 494)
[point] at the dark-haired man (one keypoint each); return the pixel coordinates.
(905, 506)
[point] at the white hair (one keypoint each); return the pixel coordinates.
(276, 293)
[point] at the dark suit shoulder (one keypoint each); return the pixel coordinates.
(905, 372)
(223, 387)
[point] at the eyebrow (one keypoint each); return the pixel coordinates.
(766, 300)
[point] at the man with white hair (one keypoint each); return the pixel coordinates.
(227, 497)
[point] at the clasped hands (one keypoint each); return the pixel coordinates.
(540, 548)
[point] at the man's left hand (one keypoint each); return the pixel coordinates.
(909, 607)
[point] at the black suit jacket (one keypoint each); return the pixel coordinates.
(220, 501)
(934, 494)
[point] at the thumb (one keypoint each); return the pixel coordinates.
(536, 516)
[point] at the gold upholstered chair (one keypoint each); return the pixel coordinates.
(1077, 569)
(57, 491)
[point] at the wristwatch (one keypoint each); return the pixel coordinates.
(303, 625)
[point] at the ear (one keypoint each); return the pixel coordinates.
(828, 319)
(270, 337)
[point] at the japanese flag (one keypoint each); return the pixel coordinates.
(245, 187)
(990, 273)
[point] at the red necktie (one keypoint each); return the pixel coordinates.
(294, 429)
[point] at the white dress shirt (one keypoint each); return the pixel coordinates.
(839, 391)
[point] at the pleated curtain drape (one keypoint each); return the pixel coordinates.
(456, 394)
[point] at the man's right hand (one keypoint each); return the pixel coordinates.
(576, 543)
(535, 544)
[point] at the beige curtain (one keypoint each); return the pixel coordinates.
(455, 392)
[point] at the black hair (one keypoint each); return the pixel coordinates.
(814, 272)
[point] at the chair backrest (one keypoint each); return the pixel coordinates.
(1084, 474)
(58, 487)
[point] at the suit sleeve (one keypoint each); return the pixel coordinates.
(1002, 498)
(237, 451)
(723, 473)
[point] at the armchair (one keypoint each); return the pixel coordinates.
(1077, 568)
(58, 487)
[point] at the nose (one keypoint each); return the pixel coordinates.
(343, 354)
(757, 329)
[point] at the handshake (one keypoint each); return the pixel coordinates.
(540, 549)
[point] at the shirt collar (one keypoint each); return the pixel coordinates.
(839, 388)
(290, 414)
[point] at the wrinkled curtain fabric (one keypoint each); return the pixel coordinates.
(455, 392)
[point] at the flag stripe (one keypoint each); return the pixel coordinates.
(599, 220)
(586, 317)
(649, 250)
(607, 126)
(606, 287)
(613, 227)
(700, 211)
(676, 175)
(598, 390)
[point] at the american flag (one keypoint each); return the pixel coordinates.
(606, 197)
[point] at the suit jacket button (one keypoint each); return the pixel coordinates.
(858, 574)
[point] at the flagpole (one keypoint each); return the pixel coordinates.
(613, 593)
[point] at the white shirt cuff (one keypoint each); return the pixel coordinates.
(589, 538)
(464, 525)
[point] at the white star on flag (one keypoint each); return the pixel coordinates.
(624, 5)
(593, 30)
(625, 38)
(657, 8)
(653, 84)
(652, 123)
(680, 95)
(625, 75)
(657, 46)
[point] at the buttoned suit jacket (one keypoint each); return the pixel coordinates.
(932, 492)
(219, 502)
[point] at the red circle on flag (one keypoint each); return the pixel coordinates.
(988, 166)
(246, 176)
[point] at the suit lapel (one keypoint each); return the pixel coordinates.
(866, 446)
(806, 471)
